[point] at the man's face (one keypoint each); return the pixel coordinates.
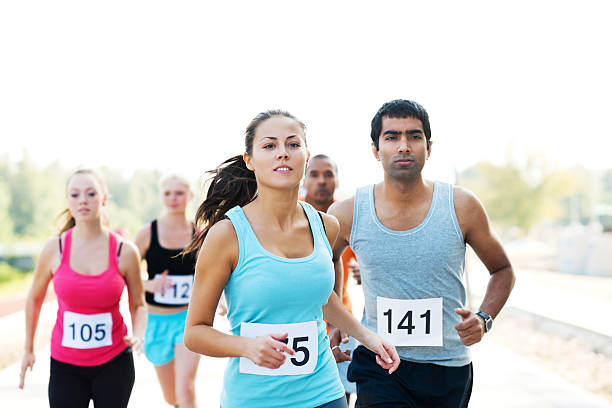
(320, 181)
(402, 147)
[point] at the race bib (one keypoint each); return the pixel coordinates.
(410, 322)
(179, 293)
(303, 338)
(83, 331)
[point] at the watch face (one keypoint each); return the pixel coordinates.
(487, 320)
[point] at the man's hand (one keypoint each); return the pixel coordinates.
(354, 268)
(471, 329)
(335, 338)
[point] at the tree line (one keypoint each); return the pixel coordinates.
(514, 195)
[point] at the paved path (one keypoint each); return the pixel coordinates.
(501, 378)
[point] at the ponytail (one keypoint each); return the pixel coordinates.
(65, 218)
(232, 184)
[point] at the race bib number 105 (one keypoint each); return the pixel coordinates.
(303, 339)
(83, 331)
(410, 322)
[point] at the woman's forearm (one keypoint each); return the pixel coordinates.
(139, 320)
(204, 339)
(32, 314)
(336, 314)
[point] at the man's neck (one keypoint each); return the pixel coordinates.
(404, 192)
(323, 207)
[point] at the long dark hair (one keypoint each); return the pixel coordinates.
(232, 183)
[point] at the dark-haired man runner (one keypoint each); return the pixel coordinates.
(409, 235)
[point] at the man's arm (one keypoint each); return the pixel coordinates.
(477, 233)
(343, 211)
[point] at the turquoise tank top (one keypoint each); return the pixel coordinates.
(266, 288)
(424, 262)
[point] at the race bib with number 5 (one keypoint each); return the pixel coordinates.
(83, 331)
(303, 338)
(179, 293)
(410, 322)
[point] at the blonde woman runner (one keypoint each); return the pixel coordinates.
(168, 288)
(91, 352)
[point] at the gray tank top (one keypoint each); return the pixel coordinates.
(421, 263)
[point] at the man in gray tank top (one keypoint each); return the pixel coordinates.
(409, 236)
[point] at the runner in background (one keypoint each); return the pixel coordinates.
(320, 182)
(271, 255)
(168, 289)
(91, 353)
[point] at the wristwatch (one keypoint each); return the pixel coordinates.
(488, 321)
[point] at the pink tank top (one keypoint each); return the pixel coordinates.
(89, 329)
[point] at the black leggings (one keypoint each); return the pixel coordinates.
(109, 384)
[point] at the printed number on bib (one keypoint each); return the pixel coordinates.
(179, 293)
(84, 331)
(303, 339)
(410, 322)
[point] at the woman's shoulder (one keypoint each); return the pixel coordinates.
(221, 242)
(125, 245)
(221, 231)
(52, 246)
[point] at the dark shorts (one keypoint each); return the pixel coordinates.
(413, 385)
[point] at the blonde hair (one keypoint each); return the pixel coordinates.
(181, 179)
(65, 218)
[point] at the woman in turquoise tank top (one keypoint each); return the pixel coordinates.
(272, 257)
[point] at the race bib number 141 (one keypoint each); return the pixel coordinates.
(410, 322)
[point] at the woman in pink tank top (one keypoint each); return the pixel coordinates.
(89, 265)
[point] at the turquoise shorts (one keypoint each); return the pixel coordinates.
(164, 331)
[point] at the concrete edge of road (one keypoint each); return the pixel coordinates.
(599, 343)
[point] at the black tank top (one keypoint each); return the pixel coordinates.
(158, 260)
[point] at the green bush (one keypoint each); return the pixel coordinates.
(8, 273)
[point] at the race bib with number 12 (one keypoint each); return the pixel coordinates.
(410, 322)
(303, 339)
(179, 293)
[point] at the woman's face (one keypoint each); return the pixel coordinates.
(175, 195)
(85, 197)
(279, 153)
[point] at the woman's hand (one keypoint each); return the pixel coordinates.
(159, 283)
(386, 355)
(134, 342)
(268, 351)
(28, 362)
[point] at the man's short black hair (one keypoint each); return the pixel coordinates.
(325, 157)
(400, 108)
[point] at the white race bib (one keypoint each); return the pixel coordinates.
(179, 293)
(303, 339)
(86, 331)
(410, 322)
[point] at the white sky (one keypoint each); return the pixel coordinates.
(172, 85)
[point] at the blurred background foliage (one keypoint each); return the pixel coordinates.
(31, 197)
(516, 195)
